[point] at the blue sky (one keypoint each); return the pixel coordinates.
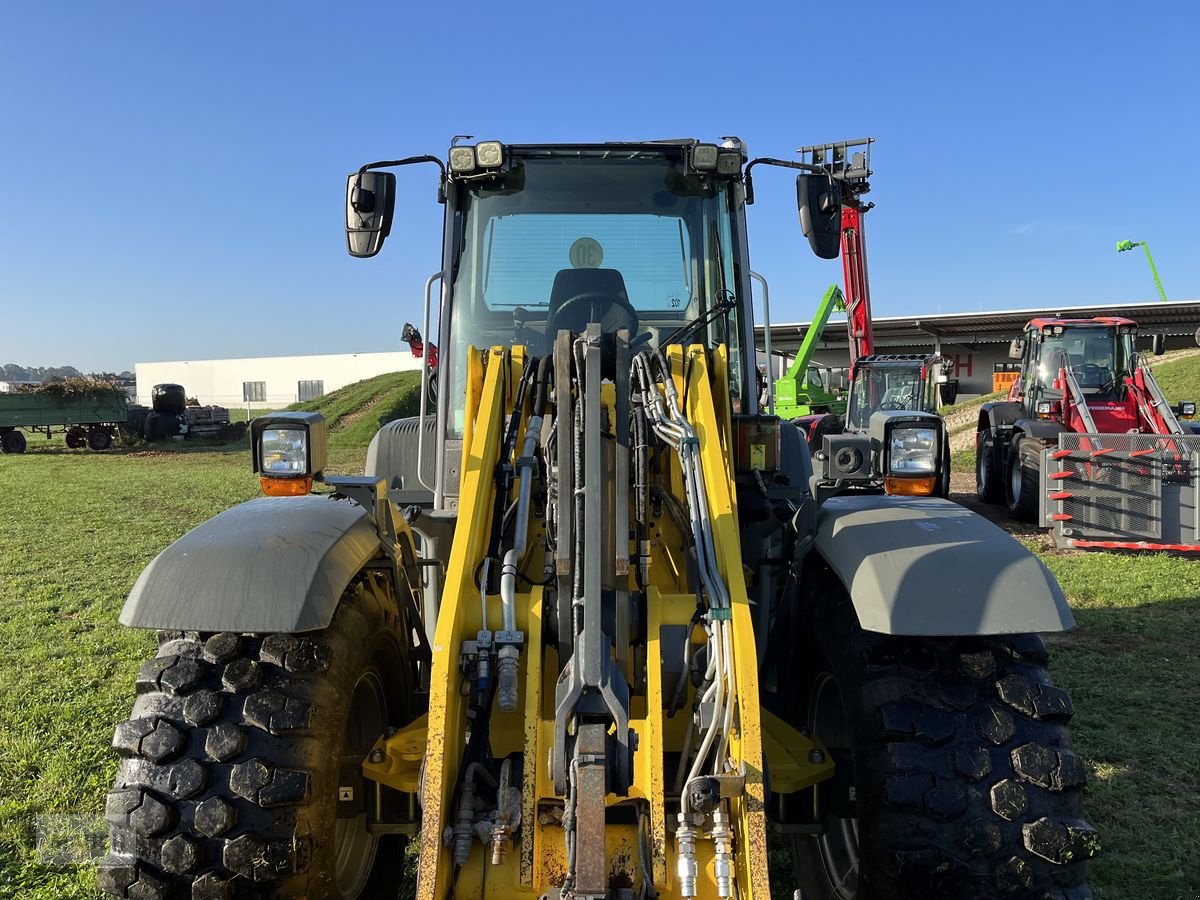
(171, 175)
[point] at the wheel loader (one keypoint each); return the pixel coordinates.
(1086, 443)
(587, 628)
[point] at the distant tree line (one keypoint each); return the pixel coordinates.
(13, 372)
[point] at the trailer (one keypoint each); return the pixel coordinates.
(88, 419)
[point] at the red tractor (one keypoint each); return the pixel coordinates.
(1087, 444)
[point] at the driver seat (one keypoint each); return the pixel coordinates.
(570, 283)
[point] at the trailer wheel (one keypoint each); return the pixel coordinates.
(989, 486)
(1023, 484)
(12, 442)
(964, 782)
(76, 438)
(235, 751)
(99, 439)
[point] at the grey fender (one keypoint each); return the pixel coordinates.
(1043, 429)
(272, 564)
(999, 413)
(931, 567)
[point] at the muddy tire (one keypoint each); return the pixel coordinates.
(76, 438)
(989, 483)
(227, 785)
(1023, 481)
(963, 773)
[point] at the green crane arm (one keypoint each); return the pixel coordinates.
(833, 299)
(793, 395)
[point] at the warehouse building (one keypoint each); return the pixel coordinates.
(976, 343)
(269, 382)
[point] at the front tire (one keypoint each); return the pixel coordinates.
(232, 758)
(964, 781)
(1024, 477)
(12, 442)
(989, 486)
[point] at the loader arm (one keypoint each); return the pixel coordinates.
(590, 818)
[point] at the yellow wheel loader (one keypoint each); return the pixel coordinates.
(593, 625)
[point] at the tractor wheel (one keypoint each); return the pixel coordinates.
(989, 484)
(12, 442)
(232, 759)
(99, 439)
(76, 438)
(964, 784)
(1023, 484)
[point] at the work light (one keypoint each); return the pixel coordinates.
(489, 154)
(462, 160)
(704, 157)
(729, 162)
(1187, 408)
(289, 451)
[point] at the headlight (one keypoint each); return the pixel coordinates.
(912, 451)
(289, 451)
(283, 451)
(1187, 408)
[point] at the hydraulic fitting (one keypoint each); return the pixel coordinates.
(506, 675)
(722, 837)
(685, 863)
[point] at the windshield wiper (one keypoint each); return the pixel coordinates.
(721, 308)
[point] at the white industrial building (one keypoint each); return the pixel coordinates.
(269, 382)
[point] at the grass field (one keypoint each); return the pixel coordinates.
(77, 528)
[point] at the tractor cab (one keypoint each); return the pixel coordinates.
(892, 382)
(1084, 361)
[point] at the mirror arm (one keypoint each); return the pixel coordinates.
(748, 179)
(407, 161)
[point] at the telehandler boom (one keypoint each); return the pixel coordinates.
(594, 628)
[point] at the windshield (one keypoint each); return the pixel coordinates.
(1097, 357)
(887, 387)
(627, 238)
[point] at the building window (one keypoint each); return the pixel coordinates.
(309, 390)
(254, 392)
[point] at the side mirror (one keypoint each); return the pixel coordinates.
(819, 199)
(1016, 349)
(1158, 343)
(370, 204)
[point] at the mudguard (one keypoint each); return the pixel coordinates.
(1042, 429)
(930, 567)
(999, 413)
(272, 564)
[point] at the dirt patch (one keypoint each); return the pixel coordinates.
(350, 418)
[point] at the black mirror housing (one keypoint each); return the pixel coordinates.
(370, 206)
(1158, 343)
(819, 200)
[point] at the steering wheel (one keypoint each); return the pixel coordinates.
(612, 311)
(891, 405)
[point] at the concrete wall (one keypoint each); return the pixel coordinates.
(220, 381)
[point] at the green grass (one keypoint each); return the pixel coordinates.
(1178, 378)
(76, 529)
(355, 412)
